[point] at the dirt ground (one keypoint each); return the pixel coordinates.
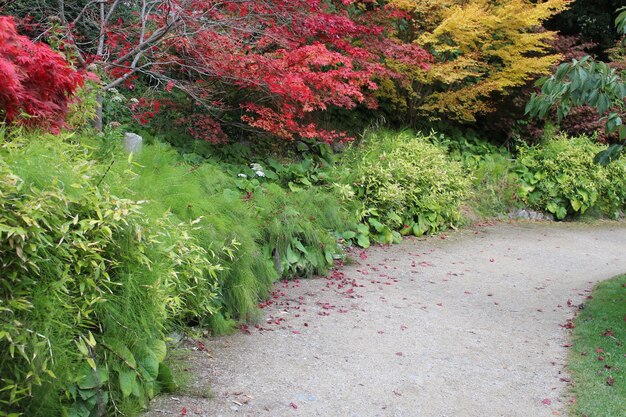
(468, 324)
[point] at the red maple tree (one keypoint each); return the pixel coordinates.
(37, 82)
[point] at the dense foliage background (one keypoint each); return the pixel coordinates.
(276, 135)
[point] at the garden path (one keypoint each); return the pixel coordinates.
(467, 324)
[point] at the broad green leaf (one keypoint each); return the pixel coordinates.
(292, 257)
(149, 363)
(349, 234)
(363, 241)
(127, 380)
(158, 347)
(329, 257)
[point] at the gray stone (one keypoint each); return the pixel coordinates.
(132, 142)
(522, 214)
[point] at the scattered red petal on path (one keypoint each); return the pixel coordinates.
(183, 412)
(295, 332)
(546, 401)
(399, 354)
(440, 304)
(492, 260)
(293, 405)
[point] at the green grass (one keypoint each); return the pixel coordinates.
(598, 357)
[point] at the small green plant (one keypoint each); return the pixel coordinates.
(405, 185)
(560, 176)
(597, 359)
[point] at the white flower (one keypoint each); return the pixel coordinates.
(242, 175)
(260, 173)
(133, 101)
(256, 167)
(113, 91)
(117, 99)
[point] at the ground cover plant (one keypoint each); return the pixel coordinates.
(597, 360)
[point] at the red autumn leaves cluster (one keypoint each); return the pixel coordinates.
(275, 65)
(37, 83)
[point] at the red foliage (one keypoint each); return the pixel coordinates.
(305, 60)
(282, 62)
(36, 81)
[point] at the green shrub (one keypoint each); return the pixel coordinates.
(559, 176)
(297, 228)
(405, 184)
(299, 213)
(89, 284)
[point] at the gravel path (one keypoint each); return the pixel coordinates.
(468, 324)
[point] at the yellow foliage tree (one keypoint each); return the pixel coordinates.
(481, 48)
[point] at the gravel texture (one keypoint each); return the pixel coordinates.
(467, 324)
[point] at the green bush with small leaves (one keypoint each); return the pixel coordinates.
(405, 185)
(561, 177)
(90, 286)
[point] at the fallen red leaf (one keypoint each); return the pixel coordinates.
(599, 350)
(600, 358)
